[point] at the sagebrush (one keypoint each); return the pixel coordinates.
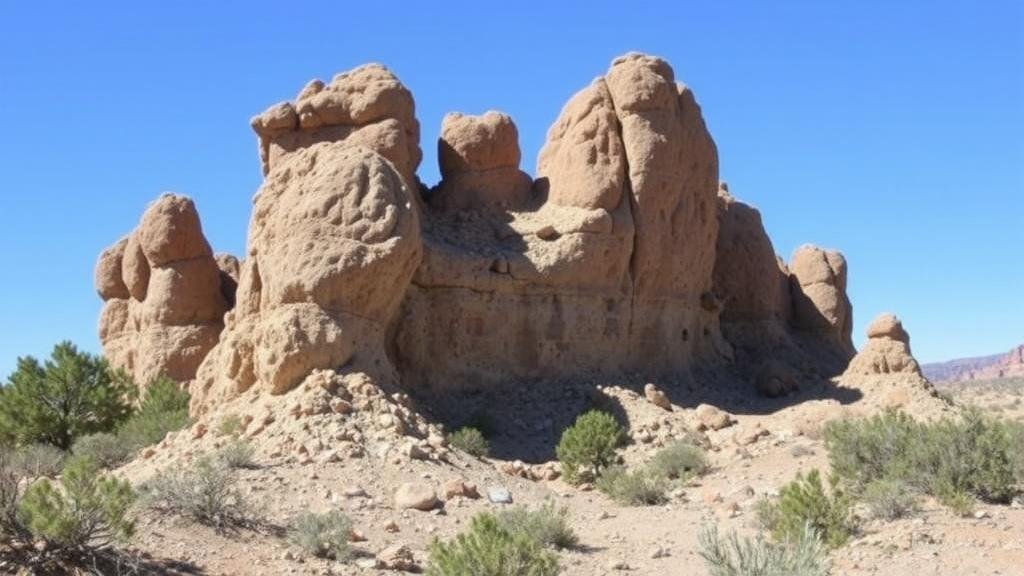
(804, 555)
(953, 459)
(547, 524)
(322, 535)
(106, 449)
(641, 487)
(207, 492)
(487, 549)
(678, 461)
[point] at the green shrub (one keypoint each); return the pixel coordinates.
(471, 441)
(547, 524)
(106, 449)
(889, 499)
(951, 459)
(323, 535)
(38, 460)
(804, 501)
(487, 549)
(70, 395)
(206, 492)
(679, 461)
(89, 511)
(237, 453)
(230, 425)
(862, 451)
(588, 446)
(162, 409)
(731, 556)
(639, 488)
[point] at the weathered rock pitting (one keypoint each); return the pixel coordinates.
(622, 257)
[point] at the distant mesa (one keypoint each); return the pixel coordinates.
(625, 255)
(1004, 365)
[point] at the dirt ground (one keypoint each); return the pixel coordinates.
(768, 444)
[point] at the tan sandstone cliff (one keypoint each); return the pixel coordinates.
(622, 256)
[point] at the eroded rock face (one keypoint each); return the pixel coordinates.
(164, 297)
(333, 242)
(819, 295)
(624, 256)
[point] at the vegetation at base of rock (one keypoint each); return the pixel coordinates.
(803, 502)
(207, 492)
(71, 394)
(547, 524)
(89, 510)
(163, 408)
(679, 460)
(488, 549)
(804, 555)
(104, 448)
(889, 499)
(322, 535)
(37, 460)
(589, 446)
(237, 453)
(471, 441)
(230, 425)
(954, 459)
(633, 488)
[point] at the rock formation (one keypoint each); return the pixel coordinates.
(164, 294)
(623, 257)
(887, 350)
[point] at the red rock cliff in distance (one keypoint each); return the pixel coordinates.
(623, 257)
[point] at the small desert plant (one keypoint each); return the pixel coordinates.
(471, 441)
(679, 461)
(162, 409)
(889, 499)
(106, 449)
(38, 460)
(588, 446)
(89, 511)
(805, 501)
(547, 524)
(70, 395)
(487, 549)
(237, 453)
(638, 488)
(732, 556)
(230, 425)
(323, 535)
(207, 492)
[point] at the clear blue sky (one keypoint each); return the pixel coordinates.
(893, 131)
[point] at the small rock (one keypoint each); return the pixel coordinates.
(499, 495)
(392, 527)
(618, 565)
(659, 552)
(415, 496)
(397, 557)
(712, 418)
(457, 487)
(657, 397)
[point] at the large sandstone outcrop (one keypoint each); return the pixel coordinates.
(622, 257)
(164, 294)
